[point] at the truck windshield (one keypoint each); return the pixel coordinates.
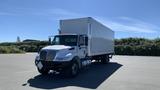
(68, 40)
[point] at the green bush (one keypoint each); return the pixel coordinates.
(10, 49)
(127, 46)
(137, 46)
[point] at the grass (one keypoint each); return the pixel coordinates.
(9, 49)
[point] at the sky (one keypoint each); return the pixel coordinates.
(38, 19)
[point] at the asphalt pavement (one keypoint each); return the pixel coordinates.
(18, 72)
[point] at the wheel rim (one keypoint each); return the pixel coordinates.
(74, 69)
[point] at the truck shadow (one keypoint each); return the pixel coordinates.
(91, 78)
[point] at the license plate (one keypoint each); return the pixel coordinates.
(39, 65)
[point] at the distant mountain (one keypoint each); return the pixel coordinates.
(30, 40)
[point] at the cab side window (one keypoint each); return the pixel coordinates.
(86, 41)
(81, 41)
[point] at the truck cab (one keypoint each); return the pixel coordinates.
(65, 55)
(77, 43)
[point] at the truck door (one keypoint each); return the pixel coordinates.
(81, 47)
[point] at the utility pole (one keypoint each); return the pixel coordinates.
(18, 39)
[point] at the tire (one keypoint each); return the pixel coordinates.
(43, 71)
(105, 59)
(73, 70)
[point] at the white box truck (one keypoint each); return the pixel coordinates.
(80, 41)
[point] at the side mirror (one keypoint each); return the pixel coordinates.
(79, 45)
(49, 40)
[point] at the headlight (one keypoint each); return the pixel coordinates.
(64, 57)
(37, 59)
(68, 55)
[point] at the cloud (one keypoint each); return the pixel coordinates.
(120, 24)
(126, 24)
(64, 14)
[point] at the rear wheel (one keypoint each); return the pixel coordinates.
(105, 59)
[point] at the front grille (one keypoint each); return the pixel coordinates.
(43, 55)
(48, 55)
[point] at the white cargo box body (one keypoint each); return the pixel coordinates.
(101, 38)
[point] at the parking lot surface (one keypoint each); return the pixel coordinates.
(18, 72)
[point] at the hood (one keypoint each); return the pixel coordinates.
(56, 47)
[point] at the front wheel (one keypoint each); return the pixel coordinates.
(43, 71)
(73, 70)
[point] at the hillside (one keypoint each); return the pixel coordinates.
(127, 46)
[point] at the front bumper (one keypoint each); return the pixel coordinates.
(53, 65)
